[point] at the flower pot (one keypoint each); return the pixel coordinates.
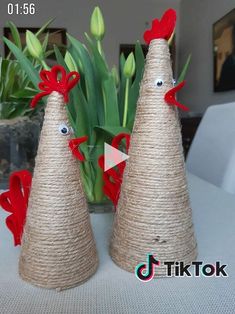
(18, 145)
(101, 207)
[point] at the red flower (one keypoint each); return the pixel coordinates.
(56, 80)
(163, 28)
(15, 201)
(113, 176)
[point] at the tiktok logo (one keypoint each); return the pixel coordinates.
(145, 271)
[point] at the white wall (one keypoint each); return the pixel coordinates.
(125, 19)
(196, 19)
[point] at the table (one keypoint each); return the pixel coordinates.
(113, 290)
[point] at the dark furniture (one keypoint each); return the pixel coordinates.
(189, 128)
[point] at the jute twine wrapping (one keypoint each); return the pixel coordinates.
(58, 249)
(154, 214)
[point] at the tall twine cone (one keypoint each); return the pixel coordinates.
(153, 213)
(58, 249)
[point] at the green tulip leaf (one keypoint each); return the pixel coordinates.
(15, 34)
(184, 70)
(24, 62)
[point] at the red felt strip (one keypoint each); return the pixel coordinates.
(15, 201)
(170, 97)
(113, 176)
(163, 28)
(74, 145)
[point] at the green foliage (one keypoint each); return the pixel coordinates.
(97, 26)
(15, 34)
(129, 66)
(102, 92)
(34, 45)
(19, 77)
(184, 70)
(15, 90)
(103, 104)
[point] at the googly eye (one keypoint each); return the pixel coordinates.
(64, 129)
(158, 82)
(174, 82)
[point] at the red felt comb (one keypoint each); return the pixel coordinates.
(15, 201)
(56, 80)
(163, 28)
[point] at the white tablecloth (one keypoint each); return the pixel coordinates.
(113, 290)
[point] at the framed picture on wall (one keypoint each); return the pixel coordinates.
(57, 36)
(224, 53)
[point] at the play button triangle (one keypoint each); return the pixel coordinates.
(112, 156)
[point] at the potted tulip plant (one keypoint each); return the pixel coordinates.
(104, 103)
(19, 125)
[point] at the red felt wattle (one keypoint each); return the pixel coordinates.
(113, 176)
(56, 80)
(170, 97)
(109, 187)
(163, 28)
(15, 201)
(74, 144)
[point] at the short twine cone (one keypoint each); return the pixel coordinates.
(153, 214)
(58, 249)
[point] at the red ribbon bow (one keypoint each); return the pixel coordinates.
(56, 80)
(15, 201)
(113, 176)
